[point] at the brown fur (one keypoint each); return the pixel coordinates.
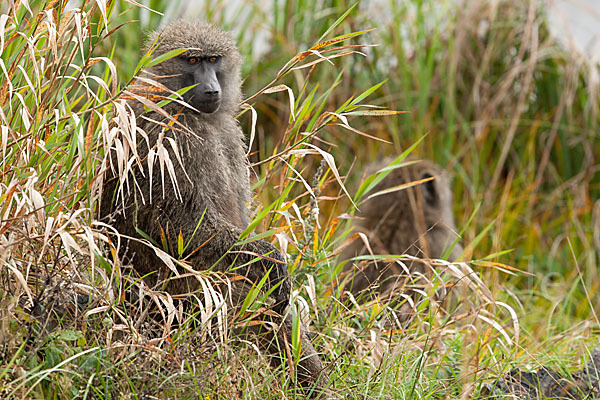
(211, 212)
(417, 221)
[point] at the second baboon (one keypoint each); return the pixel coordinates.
(414, 220)
(196, 207)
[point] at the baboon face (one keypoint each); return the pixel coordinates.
(202, 74)
(210, 66)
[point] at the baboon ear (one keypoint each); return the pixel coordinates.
(428, 188)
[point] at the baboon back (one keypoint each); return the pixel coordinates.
(416, 220)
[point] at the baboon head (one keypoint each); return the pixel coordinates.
(417, 220)
(210, 65)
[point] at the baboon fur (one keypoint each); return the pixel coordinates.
(417, 221)
(213, 179)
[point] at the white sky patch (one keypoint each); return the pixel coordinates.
(576, 26)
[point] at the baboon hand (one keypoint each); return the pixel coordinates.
(273, 263)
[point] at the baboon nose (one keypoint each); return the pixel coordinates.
(211, 93)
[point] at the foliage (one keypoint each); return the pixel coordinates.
(484, 90)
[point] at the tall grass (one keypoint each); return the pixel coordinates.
(485, 91)
(509, 112)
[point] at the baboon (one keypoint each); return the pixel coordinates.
(206, 205)
(416, 220)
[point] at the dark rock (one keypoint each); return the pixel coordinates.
(548, 384)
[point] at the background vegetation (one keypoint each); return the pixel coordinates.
(488, 94)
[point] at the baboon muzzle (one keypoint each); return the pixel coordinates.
(206, 96)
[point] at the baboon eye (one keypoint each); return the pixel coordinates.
(192, 60)
(212, 59)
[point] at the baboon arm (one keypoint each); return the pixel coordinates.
(213, 241)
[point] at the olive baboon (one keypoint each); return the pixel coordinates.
(416, 220)
(206, 205)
